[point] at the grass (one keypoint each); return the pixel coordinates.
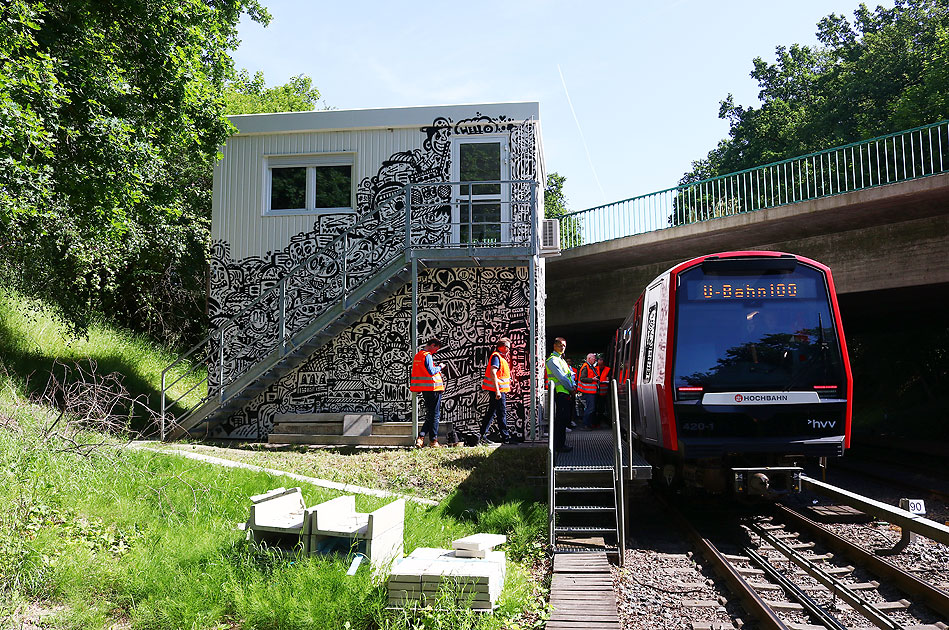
(426, 473)
(34, 344)
(117, 539)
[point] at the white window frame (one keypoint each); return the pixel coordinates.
(504, 198)
(309, 161)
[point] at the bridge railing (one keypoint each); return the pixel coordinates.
(888, 159)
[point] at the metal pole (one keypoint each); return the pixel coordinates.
(162, 427)
(618, 478)
(532, 359)
(282, 315)
(551, 414)
(221, 365)
(345, 267)
(414, 339)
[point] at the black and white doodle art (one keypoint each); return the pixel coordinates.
(365, 368)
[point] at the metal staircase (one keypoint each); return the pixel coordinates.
(290, 352)
(290, 325)
(586, 492)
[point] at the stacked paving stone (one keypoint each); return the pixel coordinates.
(472, 571)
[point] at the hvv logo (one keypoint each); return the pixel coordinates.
(821, 424)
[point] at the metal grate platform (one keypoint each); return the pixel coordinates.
(592, 452)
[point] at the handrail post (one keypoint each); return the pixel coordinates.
(413, 337)
(161, 430)
(282, 315)
(220, 354)
(618, 478)
(408, 217)
(551, 418)
(345, 267)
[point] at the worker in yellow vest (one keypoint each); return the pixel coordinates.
(588, 382)
(564, 386)
(427, 379)
(497, 382)
(603, 392)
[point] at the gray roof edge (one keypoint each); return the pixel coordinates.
(393, 117)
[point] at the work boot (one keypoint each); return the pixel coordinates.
(420, 442)
(434, 444)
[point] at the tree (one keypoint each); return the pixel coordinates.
(886, 71)
(555, 207)
(110, 118)
(245, 95)
(555, 202)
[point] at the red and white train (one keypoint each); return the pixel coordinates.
(732, 369)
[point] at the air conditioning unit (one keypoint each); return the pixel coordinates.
(550, 237)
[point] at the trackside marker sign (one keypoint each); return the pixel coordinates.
(760, 398)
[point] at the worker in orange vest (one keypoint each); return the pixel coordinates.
(588, 381)
(427, 379)
(497, 382)
(603, 392)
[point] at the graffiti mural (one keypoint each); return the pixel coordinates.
(365, 367)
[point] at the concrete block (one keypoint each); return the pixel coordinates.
(479, 542)
(357, 424)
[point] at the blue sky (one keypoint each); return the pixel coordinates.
(645, 78)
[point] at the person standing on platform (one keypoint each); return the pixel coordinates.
(427, 379)
(603, 392)
(565, 385)
(497, 382)
(588, 382)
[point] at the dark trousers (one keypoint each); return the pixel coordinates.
(563, 410)
(497, 408)
(433, 412)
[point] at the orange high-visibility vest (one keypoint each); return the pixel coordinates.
(504, 375)
(586, 372)
(604, 380)
(422, 381)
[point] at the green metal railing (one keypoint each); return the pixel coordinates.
(888, 159)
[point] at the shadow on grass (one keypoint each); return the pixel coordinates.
(507, 474)
(34, 370)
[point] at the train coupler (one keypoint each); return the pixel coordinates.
(767, 480)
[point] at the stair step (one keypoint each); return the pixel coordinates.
(584, 529)
(584, 489)
(341, 440)
(584, 508)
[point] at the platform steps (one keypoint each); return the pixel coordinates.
(200, 421)
(344, 429)
(584, 510)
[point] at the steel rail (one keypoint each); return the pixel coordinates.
(752, 602)
(835, 585)
(906, 520)
(795, 592)
(928, 594)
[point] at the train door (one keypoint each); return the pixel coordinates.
(652, 359)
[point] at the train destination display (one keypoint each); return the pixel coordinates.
(758, 289)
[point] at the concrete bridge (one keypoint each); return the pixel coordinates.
(888, 247)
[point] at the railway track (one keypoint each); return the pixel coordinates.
(768, 562)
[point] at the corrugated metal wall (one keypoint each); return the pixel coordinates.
(237, 207)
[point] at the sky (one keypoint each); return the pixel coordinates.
(629, 92)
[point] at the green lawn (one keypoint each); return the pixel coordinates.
(94, 535)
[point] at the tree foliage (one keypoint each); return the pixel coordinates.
(885, 71)
(110, 117)
(246, 95)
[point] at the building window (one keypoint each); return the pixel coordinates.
(304, 184)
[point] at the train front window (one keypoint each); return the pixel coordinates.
(769, 330)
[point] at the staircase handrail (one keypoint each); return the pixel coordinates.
(551, 416)
(618, 478)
